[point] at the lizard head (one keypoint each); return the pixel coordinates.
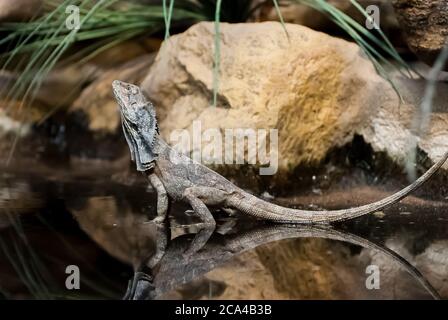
(138, 119)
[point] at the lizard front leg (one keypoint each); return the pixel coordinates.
(141, 285)
(162, 197)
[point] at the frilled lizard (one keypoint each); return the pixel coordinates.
(177, 177)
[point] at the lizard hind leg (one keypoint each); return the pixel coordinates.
(208, 224)
(199, 197)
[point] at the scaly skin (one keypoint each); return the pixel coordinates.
(180, 178)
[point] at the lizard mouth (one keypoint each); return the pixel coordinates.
(116, 84)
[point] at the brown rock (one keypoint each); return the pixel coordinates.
(58, 90)
(308, 88)
(294, 12)
(425, 23)
(18, 10)
(299, 13)
(318, 91)
(22, 112)
(97, 100)
(124, 52)
(390, 127)
(16, 120)
(63, 85)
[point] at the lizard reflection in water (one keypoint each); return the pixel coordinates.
(163, 264)
(179, 265)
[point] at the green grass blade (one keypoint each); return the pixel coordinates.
(217, 58)
(167, 17)
(280, 16)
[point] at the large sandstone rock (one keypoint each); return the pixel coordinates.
(308, 87)
(425, 23)
(318, 91)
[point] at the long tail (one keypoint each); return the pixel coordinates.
(254, 206)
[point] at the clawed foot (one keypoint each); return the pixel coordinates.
(140, 287)
(226, 227)
(206, 229)
(205, 225)
(158, 220)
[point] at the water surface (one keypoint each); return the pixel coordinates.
(100, 222)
